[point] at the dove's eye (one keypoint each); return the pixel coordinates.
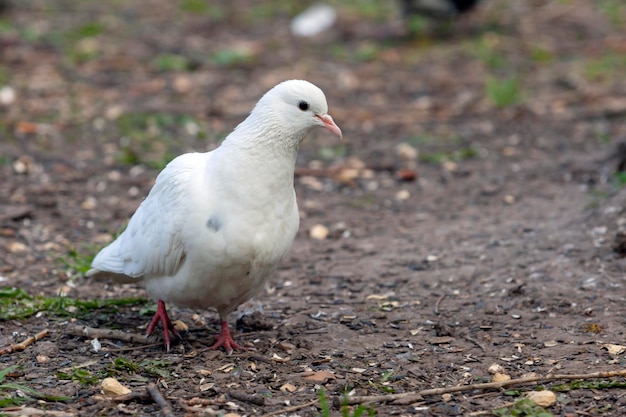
(303, 105)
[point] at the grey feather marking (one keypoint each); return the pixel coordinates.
(214, 224)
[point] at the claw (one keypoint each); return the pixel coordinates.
(225, 340)
(161, 315)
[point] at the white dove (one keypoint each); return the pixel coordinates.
(215, 225)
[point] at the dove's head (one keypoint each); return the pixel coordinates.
(298, 106)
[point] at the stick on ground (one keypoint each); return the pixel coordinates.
(363, 399)
(85, 331)
(290, 409)
(248, 398)
(23, 345)
(160, 400)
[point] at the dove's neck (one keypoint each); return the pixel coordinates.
(262, 159)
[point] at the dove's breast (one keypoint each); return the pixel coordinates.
(234, 241)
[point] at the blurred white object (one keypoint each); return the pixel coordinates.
(314, 20)
(96, 345)
(7, 95)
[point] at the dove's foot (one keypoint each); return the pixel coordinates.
(225, 340)
(161, 315)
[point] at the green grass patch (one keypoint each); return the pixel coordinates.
(375, 10)
(456, 155)
(606, 67)
(229, 57)
(588, 384)
(77, 261)
(486, 49)
(15, 303)
(267, 11)
(523, 407)
(171, 62)
(346, 410)
(416, 24)
(541, 55)
(157, 368)
(82, 375)
(503, 92)
(152, 138)
(142, 125)
(614, 11)
(620, 179)
(383, 384)
(30, 395)
(203, 7)
(367, 52)
(330, 153)
(87, 30)
(4, 75)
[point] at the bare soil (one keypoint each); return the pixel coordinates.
(500, 243)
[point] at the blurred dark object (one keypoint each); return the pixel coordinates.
(5, 5)
(619, 244)
(620, 156)
(437, 9)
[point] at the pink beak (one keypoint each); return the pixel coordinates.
(329, 124)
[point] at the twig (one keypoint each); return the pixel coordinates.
(290, 409)
(23, 345)
(488, 385)
(126, 349)
(474, 341)
(158, 398)
(242, 396)
(436, 309)
(85, 331)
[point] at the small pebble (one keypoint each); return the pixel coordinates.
(403, 195)
(542, 398)
(7, 95)
(406, 152)
(319, 232)
(111, 387)
(286, 346)
(16, 247)
(43, 358)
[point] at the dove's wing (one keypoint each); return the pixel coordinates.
(152, 243)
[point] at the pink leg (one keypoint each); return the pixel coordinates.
(161, 315)
(225, 339)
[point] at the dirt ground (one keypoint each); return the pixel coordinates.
(475, 210)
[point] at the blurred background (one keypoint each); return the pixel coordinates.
(142, 81)
(480, 182)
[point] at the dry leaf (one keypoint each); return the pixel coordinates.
(319, 377)
(279, 359)
(180, 325)
(379, 297)
(288, 387)
(499, 377)
(207, 386)
(440, 340)
(614, 349)
(495, 368)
